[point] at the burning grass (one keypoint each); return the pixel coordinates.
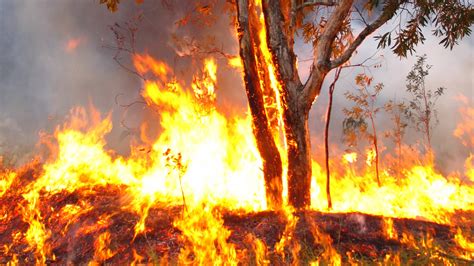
(90, 226)
(195, 195)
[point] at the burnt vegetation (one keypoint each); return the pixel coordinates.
(93, 214)
(357, 237)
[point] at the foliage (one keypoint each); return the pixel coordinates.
(421, 109)
(355, 125)
(397, 111)
(451, 20)
(111, 4)
(312, 31)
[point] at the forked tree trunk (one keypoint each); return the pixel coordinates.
(272, 167)
(295, 98)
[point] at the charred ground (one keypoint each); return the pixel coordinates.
(357, 237)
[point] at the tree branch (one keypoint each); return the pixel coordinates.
(316, 3)
(322, 53)
(388, 12)
(334, 24)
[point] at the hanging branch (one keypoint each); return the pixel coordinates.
(326, 136)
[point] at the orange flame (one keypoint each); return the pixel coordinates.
(465, 130)
(203, 160)
(72, 44)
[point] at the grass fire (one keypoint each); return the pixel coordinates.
(206, 181)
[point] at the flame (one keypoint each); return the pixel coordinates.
(388, 229)
(287, 239)
(466, 244)
(423, 192)
(102, 250)
(370, 157)
(202, 162)
(6, 179)
(204, 88)
(271, 103)
(350, 157)
(235, 62)
(330, 255)
(465, 130)
(72, 44)
(201, 230)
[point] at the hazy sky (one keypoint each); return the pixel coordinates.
(41, 78)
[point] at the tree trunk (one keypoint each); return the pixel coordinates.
(299, 159)
(326, 149)
(376, 149)
(272, 167)
(326, 136)
(399, 143)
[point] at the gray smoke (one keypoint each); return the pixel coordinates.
(40, 80)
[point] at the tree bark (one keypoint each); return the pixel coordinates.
(272, 167)
(297, 98)
(299, 158)
(326, 137)
(326, 150)
(376, 149)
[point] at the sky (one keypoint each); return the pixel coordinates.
(54, 56)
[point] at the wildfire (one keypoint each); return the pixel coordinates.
(350, 157)
(235, 62)
(465, 131)
(72, 44)
(464, 243)
(204, 161)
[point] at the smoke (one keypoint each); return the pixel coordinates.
(43, 75)
(52, 57)
(452, 69)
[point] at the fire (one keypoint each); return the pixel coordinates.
(101, 245)
(350, 157)
(205, 163)
(422, 193)
(235, 62)
(388, 229)
(201, 230)
(465, 130)
(72, 44)
(370, 157)
(204, 88)
(273, 97)
(466, 244)
(6, 180)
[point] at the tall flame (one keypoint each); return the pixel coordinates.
(203, 160)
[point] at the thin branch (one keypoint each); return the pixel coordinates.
(361, 16)
(128, 104)
(333, 26)
(316, 3)
(322, 53)
(388, 12)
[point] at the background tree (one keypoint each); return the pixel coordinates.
(332, 87)
(422, 110)
(324, 23)
(397, 111)
(355, 125)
